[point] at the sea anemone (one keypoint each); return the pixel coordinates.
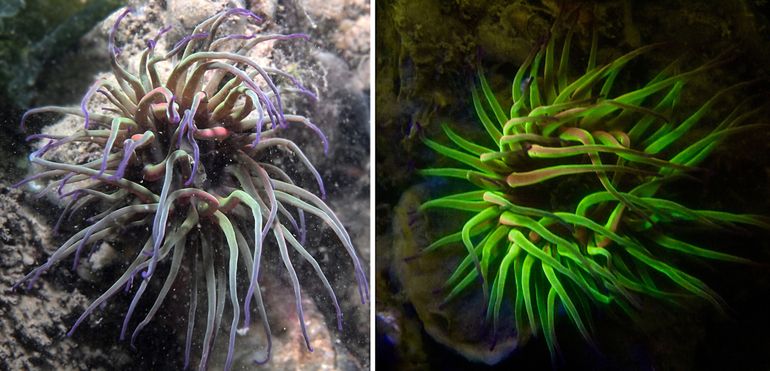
(565, 206)
(191, 166)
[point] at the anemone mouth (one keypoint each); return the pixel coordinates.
(564, 202)
(191, 159)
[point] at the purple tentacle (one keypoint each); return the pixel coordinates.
(63, 183)
(82, 244)
(259, 125)
(65, 212)
(80, 320)
(291, 36)
(302, 88)
(40, 136)
(172, 114)
(238, 36)
(75, 194)
(27, 180)
(84, 103)
(105, 157)
(23, 120)
(188, 127)
(292, 221)
(114, 50)
(272, 112)
(183, 42)
(40, 152)
(129, 145)
(152, 42)
(196, 154)
(243, 12)
(37, 273)
(318, 132)
(129, 283)
(302, 227)
(131, 308)
(278, 111)
(183, 127)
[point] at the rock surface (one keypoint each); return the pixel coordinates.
(34, 322)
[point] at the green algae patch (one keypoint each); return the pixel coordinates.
(35, 32)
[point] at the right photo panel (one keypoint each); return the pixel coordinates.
(572, 185)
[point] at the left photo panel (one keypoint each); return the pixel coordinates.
(186, 184)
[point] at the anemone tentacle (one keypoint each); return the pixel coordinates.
(188, 165)
(595, 249)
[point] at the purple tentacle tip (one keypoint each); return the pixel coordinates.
(171, 112)
(114, 50)
(322, 188)
(40, 152)
(295, 36)
(244, 12)
(38, 136)
(78, 251)
(320, 134)
(64, 183)
(239, 36)
(23, 121)
(152, 42)
(260, 123)
(84, 103)
(129, 145)
(196, 154)
(189, 38)
(303, 228)
(183, 127)
(302, 89)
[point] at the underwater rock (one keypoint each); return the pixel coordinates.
(31, 324)
(459, 324)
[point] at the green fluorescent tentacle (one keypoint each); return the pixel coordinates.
(571, 209)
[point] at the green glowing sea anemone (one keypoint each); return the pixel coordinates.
(566, 210)
(190, 178)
